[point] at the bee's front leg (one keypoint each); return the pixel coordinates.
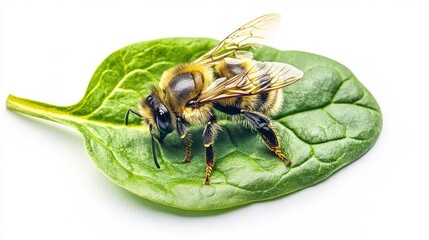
(209, 137)
(183, 134)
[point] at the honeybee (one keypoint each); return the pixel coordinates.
(227, 79)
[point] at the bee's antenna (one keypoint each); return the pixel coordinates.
(153, 148)
(128, 114)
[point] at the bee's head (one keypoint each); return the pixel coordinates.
(154, 112)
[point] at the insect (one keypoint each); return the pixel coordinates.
(227, 79)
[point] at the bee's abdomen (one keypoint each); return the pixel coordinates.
(229, 70)
(261, 100)
(268, 103)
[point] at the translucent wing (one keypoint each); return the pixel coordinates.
(247, 36)
(261, 77)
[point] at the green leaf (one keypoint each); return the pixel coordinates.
(328, 120)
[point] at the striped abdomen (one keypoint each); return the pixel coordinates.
(269, 103)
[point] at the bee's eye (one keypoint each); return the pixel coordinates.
(151, 101)
(163, 121)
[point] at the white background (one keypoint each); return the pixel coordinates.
(50, 189)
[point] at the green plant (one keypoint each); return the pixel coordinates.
(328, 120)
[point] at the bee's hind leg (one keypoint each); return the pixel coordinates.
(183, 134)
(209, 137)
(263, 125)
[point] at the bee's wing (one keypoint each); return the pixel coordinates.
(262, 77)
(247, 36)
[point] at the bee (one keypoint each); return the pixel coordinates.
(227, 79)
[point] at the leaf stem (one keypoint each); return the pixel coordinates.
(37, 109)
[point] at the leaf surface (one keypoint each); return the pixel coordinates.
(329, 119)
